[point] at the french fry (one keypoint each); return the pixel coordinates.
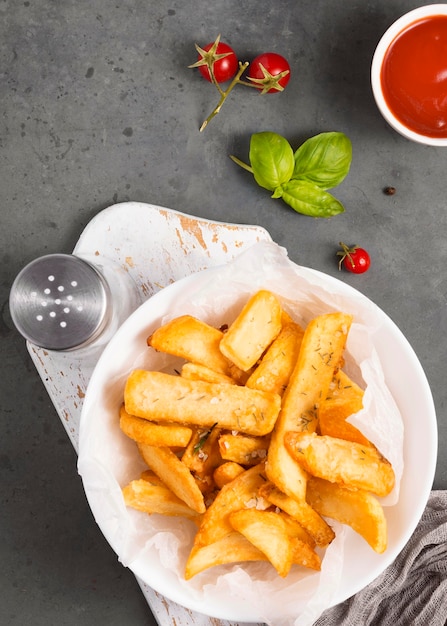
(236, 495)
(232, 548)
(174, 474)
(195, 371)
(226, 472)
(202, 453)
(321, 350)
(294, 529)
(268, 532)
(356, 508)
(144, 496)
(202, 457)
(162, 397)
(345, 399)
(343, 388)
(151, 434)
(303, 554)
(243, 449)
(192, 340)
(340, 461)
(300, 511)
(253, 330)
(276, 366)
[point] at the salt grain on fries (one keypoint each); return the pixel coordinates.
(250, 439)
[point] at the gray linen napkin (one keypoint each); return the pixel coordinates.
(413, 590)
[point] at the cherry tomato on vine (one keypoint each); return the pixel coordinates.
(355, 259)
(222, 58)
(270, 72)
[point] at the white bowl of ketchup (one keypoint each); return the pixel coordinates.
(409, 75)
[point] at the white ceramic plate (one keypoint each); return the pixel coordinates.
(103, 446)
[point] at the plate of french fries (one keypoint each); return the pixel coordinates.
(258, 441)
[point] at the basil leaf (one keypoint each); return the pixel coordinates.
(309, 199)
(271, 159)
(324, 159)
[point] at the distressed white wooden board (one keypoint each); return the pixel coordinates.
(156, 246)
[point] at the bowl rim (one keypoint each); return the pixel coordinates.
(387, 38)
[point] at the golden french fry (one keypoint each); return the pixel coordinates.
(202, 453)
(345, 398)
(268, 532)
(295, 529)
(299, 510)
(320, 353)
(253, 330)
(233, 548)
(340, 461)
(162, 397)
(354, 507)
(202, 456)
(174, 474)
(303, 554)
(344, 388)
(276, 366)
(243, 449)
(192, 340)
(226, 472)
(151, 434)
(243, 489)
(144, 496)
(195, 371)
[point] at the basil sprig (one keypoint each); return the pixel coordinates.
(301, 178)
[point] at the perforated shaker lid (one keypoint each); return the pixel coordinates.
(60, 302)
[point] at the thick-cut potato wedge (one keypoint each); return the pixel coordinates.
(202, 453)
(243, 449)
(195, 371)
(344, 388)
(294, 529)
(345, 398)
(227, 472)
(192, 340)
(303, 554)
(276, 366)
(236, 495)
(162, 397)
(253, 330)
(174, 474)
(320, 354)
(353, 507)
(233, 548)
(142, 495)
(152, 434)
(268, 532)
(202, 456)
(340, 461)
(299, 510)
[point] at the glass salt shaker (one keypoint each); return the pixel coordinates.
(72, 304)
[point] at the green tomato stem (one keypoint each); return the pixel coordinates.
(224, 94)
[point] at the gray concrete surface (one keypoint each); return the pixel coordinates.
(98, 107)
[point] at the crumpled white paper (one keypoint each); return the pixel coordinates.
(108, 460)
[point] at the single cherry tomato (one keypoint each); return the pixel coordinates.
(270, 72)
(355, 259)
(221, 57)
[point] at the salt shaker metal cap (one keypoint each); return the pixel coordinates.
(60, 302)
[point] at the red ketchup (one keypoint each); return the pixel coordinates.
(414, 76)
